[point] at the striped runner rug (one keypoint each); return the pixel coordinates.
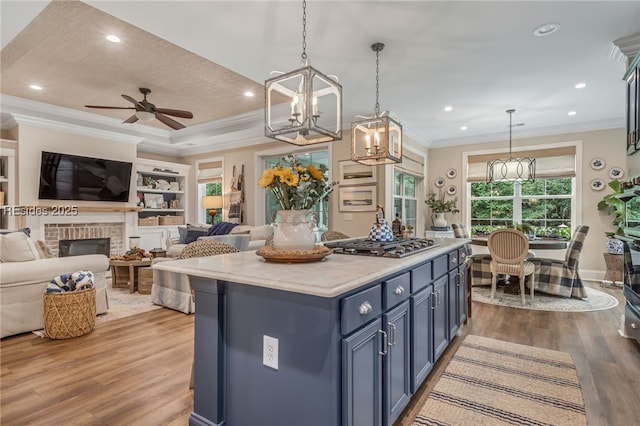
(492, 382)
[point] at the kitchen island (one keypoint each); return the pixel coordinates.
(344, 341)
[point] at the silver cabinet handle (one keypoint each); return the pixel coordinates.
(393, 328)
(454, 260)
(434, 300)
(399, 290)
(634, 325)
(463, 254)
(459, 279)
(385, 342)
(365, 308)
(438, 297)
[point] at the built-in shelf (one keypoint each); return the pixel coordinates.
(157, 191)
(163, 210)
(89, 209)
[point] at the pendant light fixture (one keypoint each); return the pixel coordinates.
(511, 169)
(378, 139)
(304, 106)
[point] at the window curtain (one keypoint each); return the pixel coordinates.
(412, 164)
(550, 163)
(209, 172)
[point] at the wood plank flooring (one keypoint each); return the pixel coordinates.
(136, 370)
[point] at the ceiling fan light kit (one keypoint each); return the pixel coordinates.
(511, 169)
(146, 111)
(304, 106)
(376, 140)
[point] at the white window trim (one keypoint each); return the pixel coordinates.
(201, 218)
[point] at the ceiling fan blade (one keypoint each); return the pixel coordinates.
(107, 107)
(169, 121)
(175, 112)
(133, 101)
(131, 119)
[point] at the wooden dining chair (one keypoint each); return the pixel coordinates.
(509, 249)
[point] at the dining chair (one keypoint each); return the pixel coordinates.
(509, 249)
(561, 277)
(333, 235)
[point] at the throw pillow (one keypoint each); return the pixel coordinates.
(43, 250)
(262, 232)
(213, 229)
(194, 232)
(225, 228)
(17, 247)
(182, 231)
(241, 229)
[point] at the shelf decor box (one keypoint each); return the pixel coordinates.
(171, 220)
(148, 221)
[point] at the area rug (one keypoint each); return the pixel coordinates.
(597, 300)
(123, 304)
(492, 382)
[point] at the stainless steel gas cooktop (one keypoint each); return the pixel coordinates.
(399, 247)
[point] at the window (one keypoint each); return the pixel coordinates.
(209, 182)
(404, 198)
(545, 205)
(321, 208)
(212, 188)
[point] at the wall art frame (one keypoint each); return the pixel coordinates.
(357, 198)
(354, 173)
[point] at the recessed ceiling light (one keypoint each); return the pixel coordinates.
(463, 128)
(113, 38)
(546, 29)
(448, 108)
(35, 87)
(571, 113)
(249, 94)
(581, 85)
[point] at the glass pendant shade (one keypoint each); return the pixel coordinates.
(303, 107)
(376, 141)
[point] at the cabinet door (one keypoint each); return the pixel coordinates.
(422, 307)
(461, 294)
(362, 376)
(397, 372)
(440, 320)
(452, 294)
(150, 238)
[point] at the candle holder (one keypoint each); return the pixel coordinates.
(134, 242)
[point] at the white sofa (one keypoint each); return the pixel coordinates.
(258, 236)
(22, 285)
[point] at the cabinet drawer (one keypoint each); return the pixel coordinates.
(462, 255)
(420, 277)
(360, 308)
(440, 266)
(454, 260)
(632, 323)
(396, 289)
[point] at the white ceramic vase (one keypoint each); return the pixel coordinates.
(440, 221)
(293, 230)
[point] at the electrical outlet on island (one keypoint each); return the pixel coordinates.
(270, 351)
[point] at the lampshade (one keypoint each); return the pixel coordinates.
(378, 139)
(145, 115)
(212, 201)
(511, 169)
(304, 106)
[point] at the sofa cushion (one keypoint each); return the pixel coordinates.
(262, 232)
(26, 231)
(182, 231)
(194, 232)
(222, 228)
(17, 247)
(241, 229)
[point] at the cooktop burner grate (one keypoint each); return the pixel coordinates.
(399, 247)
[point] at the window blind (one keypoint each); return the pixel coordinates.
(550, 163)
(412, 164)
(209, 172)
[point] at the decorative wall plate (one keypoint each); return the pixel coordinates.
(597, 184)
(439, 182)
(451, 190)
(451, 173)
(597, 164)
(616, 173)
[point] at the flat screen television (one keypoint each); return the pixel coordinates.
(72, 177)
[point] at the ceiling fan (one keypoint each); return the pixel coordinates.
(147, 111)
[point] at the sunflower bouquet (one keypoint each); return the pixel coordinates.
(296, 187)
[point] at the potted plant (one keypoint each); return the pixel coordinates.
(614, 206)
(438, 206)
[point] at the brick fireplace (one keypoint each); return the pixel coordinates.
(115, 231)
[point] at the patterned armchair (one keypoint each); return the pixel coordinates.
(561, 277)
(172, 290)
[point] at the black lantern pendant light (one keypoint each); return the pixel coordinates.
(304, 106)
(511, 169)
(378, 139)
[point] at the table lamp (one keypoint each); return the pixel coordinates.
(212, 202)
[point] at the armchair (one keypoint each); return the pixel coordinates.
(562, 277)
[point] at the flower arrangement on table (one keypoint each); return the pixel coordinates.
(295, 186)
(438, 204)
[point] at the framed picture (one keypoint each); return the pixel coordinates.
(352, 173)
(153, 201)
(358, 198)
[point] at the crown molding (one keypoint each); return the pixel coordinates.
(627, 46)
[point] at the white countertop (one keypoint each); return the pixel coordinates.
(334, 275)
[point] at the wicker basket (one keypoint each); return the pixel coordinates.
(69, 314)
(145, 280)
(171, 220)
(148, 221)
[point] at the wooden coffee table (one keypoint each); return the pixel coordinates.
(124, 273)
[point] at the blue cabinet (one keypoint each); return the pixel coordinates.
(422, 305)
(397, 371)
(461, 294)
(440, 316)
(362, 376)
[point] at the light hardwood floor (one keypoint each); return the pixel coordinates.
(136, 370)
